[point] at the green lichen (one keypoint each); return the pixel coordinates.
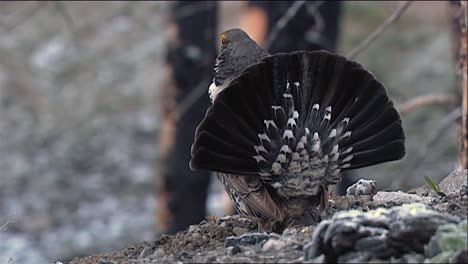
(451, 238)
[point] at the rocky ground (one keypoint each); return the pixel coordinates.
(423, 226)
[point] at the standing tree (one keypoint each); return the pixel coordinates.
(460, 21)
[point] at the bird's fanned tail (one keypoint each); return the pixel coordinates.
(305, 113)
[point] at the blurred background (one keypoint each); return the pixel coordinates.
(80, 84)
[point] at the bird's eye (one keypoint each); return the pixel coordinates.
(223, 39)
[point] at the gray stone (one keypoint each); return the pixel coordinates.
(454, 182)
(239, 231)
(246, 239)
(145, 252)
(362, 187)
(355, 236)
(398, 198)
(104, 261)
(273, 245)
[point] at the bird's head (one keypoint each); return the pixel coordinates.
(238, 51)
(237, 47)
(233, 37)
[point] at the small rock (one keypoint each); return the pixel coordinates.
(225, 218)
(145, 252)
(233, 250)
(246, 239)
(239, 231)
(183, 255)
(453, 206)
(362, 187)
(273, 245)
(274, 235)
(157, 253)
(318, 259)
(103, 261)
(413, 258)
(193, 229)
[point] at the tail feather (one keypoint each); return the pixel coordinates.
(387, 134)
(308, 114)
(393, 150)
(204, 157)
(374, 125)
(217, 128)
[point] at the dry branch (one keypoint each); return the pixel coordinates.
(191, 98)
(444, 124)
(20, 18)
(425, 100)
(10, 220)
(378, 32)
(283, 21)
(60, 6)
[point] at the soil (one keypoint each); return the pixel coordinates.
(235, 239)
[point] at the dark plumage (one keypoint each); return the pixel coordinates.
(284, 128)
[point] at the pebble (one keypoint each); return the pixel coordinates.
(273, 245)
(239, 231)
(246, 239)
(362, 187)
(145, 252)
(193, 229)
(158, 253)
(103, 261)
(454, 182)
(233, 250)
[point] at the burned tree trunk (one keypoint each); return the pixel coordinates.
(459, 15)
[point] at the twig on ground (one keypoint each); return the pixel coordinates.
(424, 100)
(378, 32)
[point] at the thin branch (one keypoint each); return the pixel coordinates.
(315, 34)
(378, 32)
(283, 21)
(60, 6)
(10, 220)
(191, 98)
(192, 9)
(312, 8)
(425, 100)
(443, 125)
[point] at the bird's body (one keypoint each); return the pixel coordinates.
(282, 130)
